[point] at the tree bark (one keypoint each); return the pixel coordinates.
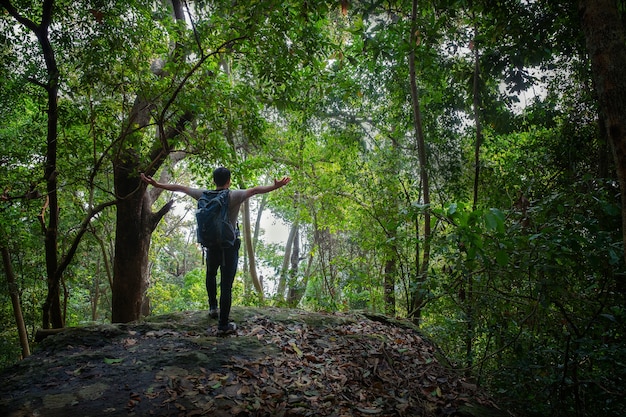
(135, 221)
(134, 225)
(477, 122)
(257, 224)
(51, 314)
(247, 234)
(15, 300)
(391, 269)
(284, 270)
(604, 33)
(133, 230)
(422, 267)
(295, 289)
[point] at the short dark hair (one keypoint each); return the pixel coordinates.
(221, 176)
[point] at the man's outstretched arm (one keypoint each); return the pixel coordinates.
(262, 189)
(170, 187)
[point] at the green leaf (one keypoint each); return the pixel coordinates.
(502, 258)
(609, 316)
(490, 221)
(110, 361)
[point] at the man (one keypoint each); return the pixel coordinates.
(224, 259)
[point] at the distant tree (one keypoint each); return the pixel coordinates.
(602, 24)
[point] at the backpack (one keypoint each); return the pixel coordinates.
(214, 227)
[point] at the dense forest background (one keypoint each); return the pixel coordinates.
(454, 162)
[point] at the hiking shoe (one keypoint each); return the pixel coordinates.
(230, 328)
(214, 313)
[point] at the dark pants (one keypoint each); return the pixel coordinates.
(226, 260)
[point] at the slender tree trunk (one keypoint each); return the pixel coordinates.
(107, 267)
(469, 324)
(477, 122)
(284, 271)
(417, 301)
(389, 282)
(469, 299)
(295, 289)
(51, 314)
(604, 33)
(247, 234)
(15, 300)
(257, 224)
(255, 238)
(95, 292)
(55, 266)
(52, 306)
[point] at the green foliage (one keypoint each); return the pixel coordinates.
(516, 301)
(183, 293)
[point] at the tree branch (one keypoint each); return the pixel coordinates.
(81, 231)
(156, 217)
(23, 20)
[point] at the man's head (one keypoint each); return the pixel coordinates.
(221, 176)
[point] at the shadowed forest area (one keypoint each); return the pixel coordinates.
(281, 362)
(459, 166)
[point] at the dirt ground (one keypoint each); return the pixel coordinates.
(280, 362)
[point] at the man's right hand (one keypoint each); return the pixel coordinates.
(148, 180)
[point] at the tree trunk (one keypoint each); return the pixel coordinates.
(604, 34)
(51, 314)
(95, 292)
(135, 221)
(295, 288)
(477, 123)
(255, 238)
(416, 297)
(107, 271)
(391, 270)
(15, 300)
(389, 279)
(257, 224)
(52, 306)
(247, 234)
(284, 270)
(133, 230)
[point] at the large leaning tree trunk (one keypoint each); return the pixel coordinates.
(604, 33)
(135, 220)
(133, 227)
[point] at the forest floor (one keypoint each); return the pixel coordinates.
(280, 362)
